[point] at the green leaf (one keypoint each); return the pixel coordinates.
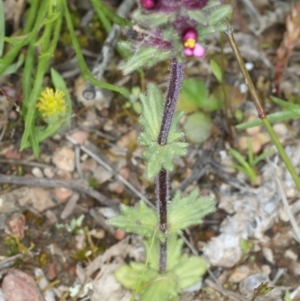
(272, 118)
(141, 220)
(159, 156)
(99, 5)
(60, 84)
(186, 211)
(219, 13)
(146, 58)
(15, 66)
(193, 95)
(160, 289)
(239, 157)
(286, 105)
(189, 271)
(131, 276)
(262, 289)
(199, 16)
(198, 127)
(244, 245)
(151, 21)
(217, 71)
(203, 31)
(2, 27)
(264, 155)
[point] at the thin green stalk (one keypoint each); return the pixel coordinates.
(282, 152)
(82, 65)
(102, 17)
(28, 72)
(260, 110)
(31, 15)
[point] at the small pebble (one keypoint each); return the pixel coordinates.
(48, 172)
(120, 234)
(80, 137)
(37, 172)
(62, 194)
(64, 159)
(15, 225)
(18, 286)
(291, 255)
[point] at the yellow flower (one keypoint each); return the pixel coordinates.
(51, 103)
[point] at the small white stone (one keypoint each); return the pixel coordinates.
(48, 172)
(268, 254)
(243, 88)
(291, 255)
(37, 172)
(249, 66)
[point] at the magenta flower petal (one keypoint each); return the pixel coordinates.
(198, 51)
(148, 4)
(188, 52)
(190, 34)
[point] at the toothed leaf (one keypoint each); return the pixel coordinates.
(199, 16)
(162, 288)
(186, 211)
(144, 57)
(219, 13)
(153, 20)
(131, 275)
(141, 220)
(189, 271)
(159, 156)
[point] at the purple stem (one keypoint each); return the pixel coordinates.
(162, 180)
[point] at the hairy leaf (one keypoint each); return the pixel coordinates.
(199, 16)
(141, 220)
(159, 156)
(161, 288)
(189, 271)
(131, 275)
(189, 210)
(145, 57)
(219, 13)
(153, 20)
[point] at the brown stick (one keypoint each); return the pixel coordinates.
(77, 185)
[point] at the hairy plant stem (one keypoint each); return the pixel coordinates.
(260, 111)
(162, 180)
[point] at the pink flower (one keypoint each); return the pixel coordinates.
(148, 4)
(191, 47)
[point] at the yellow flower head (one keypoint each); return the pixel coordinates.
(50, 103)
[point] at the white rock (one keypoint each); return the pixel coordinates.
(37, 172)
(224, 250)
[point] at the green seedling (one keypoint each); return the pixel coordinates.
(248, 167)
(261, 290)
(133, 102)
(291, 111)
(197, 102)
